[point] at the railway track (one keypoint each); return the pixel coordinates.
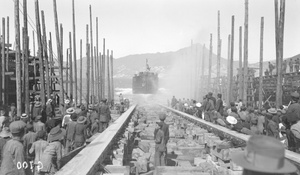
(193, 141)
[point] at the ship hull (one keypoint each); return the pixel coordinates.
(145, 83)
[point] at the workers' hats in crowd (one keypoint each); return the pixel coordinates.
(70, 110)
(17, 127)
(295, 94)
(283, 111)
(264, 154)
(29, 126)
(232, 120)
(104, 100)
(38, 117)
(198, 105)
(56, 134)
(90, 107)
(272, 111)
(49, 100)
(81, 119)
(67, 101)
(38, 104)
(41, 134)
(295, 129)
(162, 116)
(5, 132)
(24, 116)
(186, 105)
(74, 117)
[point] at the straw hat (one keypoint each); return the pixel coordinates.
(198, 105)
(232, 120)
(37, 104)
(67, 101)
(56, 134)
(70, 110)
(24, 116)
(81, 119)
(264, 154)
(186, 105)
(272, 111)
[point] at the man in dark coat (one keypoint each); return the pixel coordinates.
(210, 96)
(219, 104)
(105, 117)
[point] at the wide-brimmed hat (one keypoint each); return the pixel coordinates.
(186, 105)
(74, 117)
(198, 105)
(70, 110)
(232, 120)
(295, 94)
(56, 134)
(38, 117)
(272, 111)
(5, 132)
(24, 116)
(67, 101)
(38, 104)
(17, 127)
(264, 154)
(81, 119)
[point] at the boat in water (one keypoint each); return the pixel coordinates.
(145, 82)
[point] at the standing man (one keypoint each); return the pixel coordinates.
(105, 117)
(121, 98)
(165, 129)
(291, 65)
(173, 102)
(219, 104)
(13, 151)
(160, 147)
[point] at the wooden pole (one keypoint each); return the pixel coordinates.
(40, 53)
(46, 56)
(280, 60)
(231, 60)
(202, 70)
(98, 66)
(80, 96)
(7, 51)
(87, 66)
(18, 60)
(91, 54)
(97, 72)
(74, 52)
(34, 61)
(219, 54)
(71, 67)
(62, 61)
(59, 55)
(25, 50)
(276, 34)
(67, 75)
(108, 78)
(228, 73)
(209, 63)
(51, 62)
(3, 89)
(240, 65)
(261, 56)
(103, 68)
(112, 75)
(101, 75)
(245, 87)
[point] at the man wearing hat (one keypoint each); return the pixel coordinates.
(5, 136)
(105, 117)
(37, 109)
(80, 133)
(92, 115)
(13, 151)
(219, 104)
(263, 156)
(160, 147)
(67, 117)
(38, 125)
(28, 138)
(70, 132)
(165, 129)
(292, 116)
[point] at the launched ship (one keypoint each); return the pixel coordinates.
(145, 82)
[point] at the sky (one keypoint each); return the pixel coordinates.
(150, 26)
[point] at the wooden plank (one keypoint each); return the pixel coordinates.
(88, 160)
(294, 157)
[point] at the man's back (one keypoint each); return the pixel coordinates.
(70, 130)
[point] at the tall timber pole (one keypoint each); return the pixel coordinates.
(59, 55)
(203, 66)
(209, 63)
(245, 87)
(276, 34)
(96, 72)
(108, 78)
(103, 68)
(80, 92)
(101, 75)
(219, 54)
(26, 56)
(231, 59)
(8, 45)
(40, 53)
(74, 52)
(98, 61)
(280, 54)
(51, 61)
(45, 48)
(261, 56)
(62, 58)
(228, 73)
(87, 66)
(112, 75)
(240, 65)
(67, 73)
(34, 61)
(71, 67)
(18, 59)
(2, 91)
(91, 54)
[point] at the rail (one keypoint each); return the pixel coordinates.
(292, 156)
(88, 160)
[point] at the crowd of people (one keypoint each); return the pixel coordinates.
(281, 123)
(34, 143)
